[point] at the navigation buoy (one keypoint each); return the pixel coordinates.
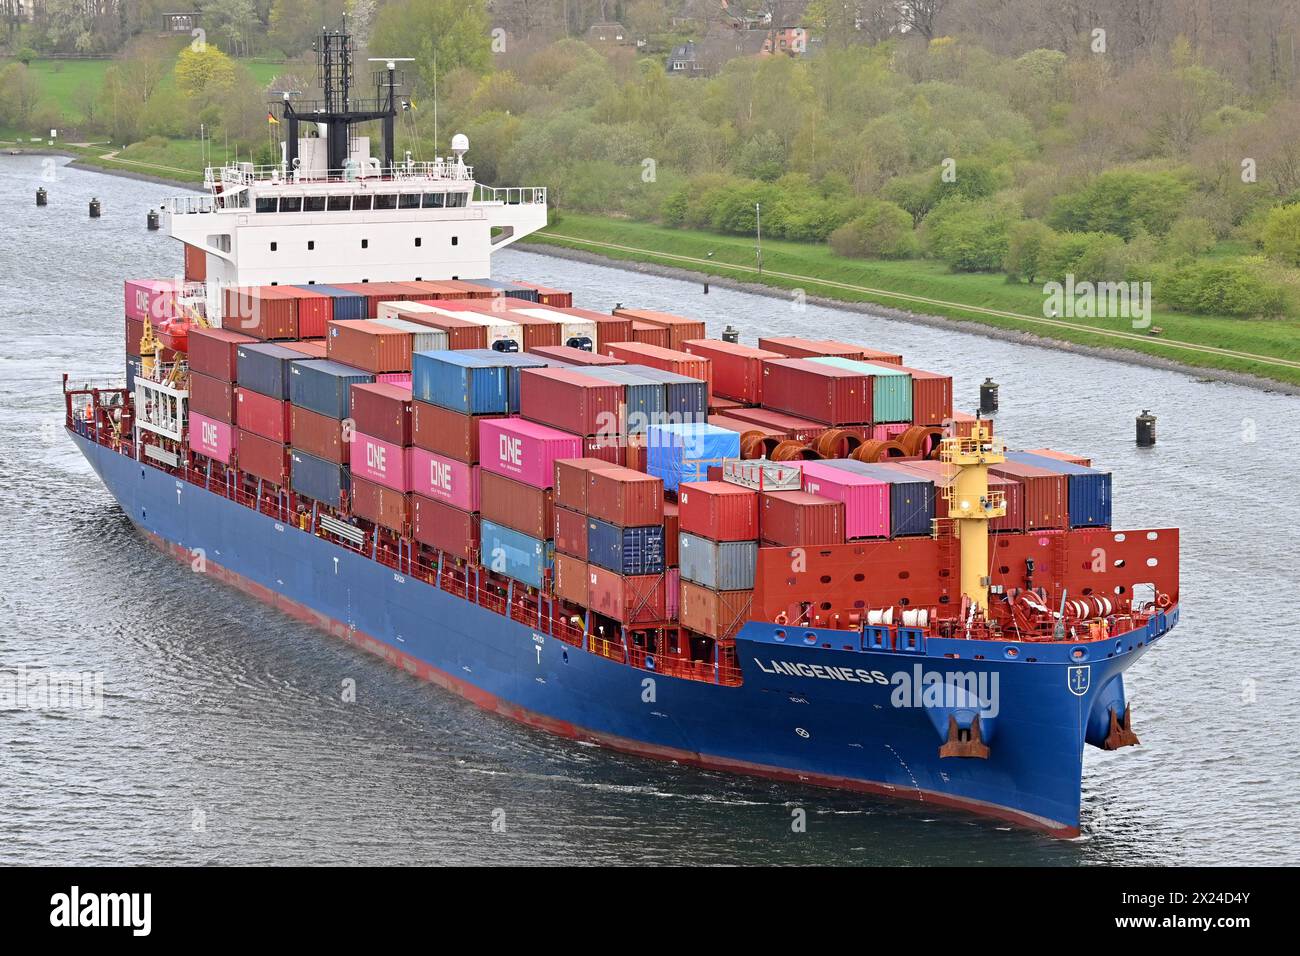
(988, 396)
(94, 208)
(42, 197)
(151, 221)
(730, 334)
(1146, 429)
(706, 288)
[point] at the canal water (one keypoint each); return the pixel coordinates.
(224, 736)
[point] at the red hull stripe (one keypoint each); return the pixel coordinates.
(491, 702)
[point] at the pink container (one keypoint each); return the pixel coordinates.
(444, 479)
(379, 461)
(866, 500)
(892, 430)
(212, 438)
(672, 593)
(151, 300)
(402, 379)
(524, 451)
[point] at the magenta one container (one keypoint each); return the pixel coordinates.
(210, 437)
(892, 430)
(402, 379)
(866, 500)
(524, 451)
(379, 461)
(150, 299)
(444, 479)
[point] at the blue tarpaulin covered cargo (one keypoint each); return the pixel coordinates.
(677, 453)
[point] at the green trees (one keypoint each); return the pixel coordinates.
(1122, 202)
(882, 231)
(454, 33)
(1281, 234)
(969, 236)
(1221, 288)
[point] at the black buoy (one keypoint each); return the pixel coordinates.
(988, 397)
(94, 208)
(42, 197)
(730, 335)
(1146, 429)
(151, 221)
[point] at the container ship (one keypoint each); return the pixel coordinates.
(790, 559)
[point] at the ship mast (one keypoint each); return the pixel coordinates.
(971, 506)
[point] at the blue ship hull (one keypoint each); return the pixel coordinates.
(809, 709)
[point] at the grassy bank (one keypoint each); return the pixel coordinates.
(1268, 349)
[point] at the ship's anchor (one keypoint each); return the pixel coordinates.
(964, 743)
(1121, 731)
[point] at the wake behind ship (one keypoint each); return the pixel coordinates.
(793, 559)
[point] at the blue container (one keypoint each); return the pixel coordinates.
(625, 550)
(717, 565)
(324, 386)
(911, 498)
(686, 399)
(511, 289)
(677, 453)
(516, 362)
(645, 400)
(1089, 490)
(347, 305)
(463, 381)
(318, 479)
(515, 554)
(264, 368)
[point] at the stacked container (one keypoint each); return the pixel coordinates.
(263, 312)
(812, 348)
(668, 360)
(944, 475)
(678, 453)
(679, 329)
(822, 393)
(800, 519)
(1088, 490)
(891, 387)
(717, 555)
(911, 496)
(320, 391)
(625, 545)
(214, 363)
(380, 454)
(866, 499)
(1045, 494)
(737, 369)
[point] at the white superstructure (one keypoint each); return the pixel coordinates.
(264, 225)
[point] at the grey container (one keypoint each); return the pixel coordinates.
(717, 565)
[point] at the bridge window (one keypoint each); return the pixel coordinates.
(265, 204)
(386, 201)
(313, 203)
(365, 243)
(290, 204)
(455, 240)
(456, 200)
(273, 246)
(417, 242)
(361, 202)
(434, 200)
(409, 201)
(339, 203)
(311, 244)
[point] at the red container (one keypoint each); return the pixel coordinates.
(609, 328)
(263, 415)
(384, 506)
(468, 290)
(196, 264)
(554, 298)
(571, 579)
(449, 433)
(1046, 502)
(265, 312)
(823, 393)
(460, 334)
(570, 532)
(425, 291)
(538, 333)
(669, 360)
(383, 411)
(737, 369)
(263, 458)
(369, 346)
(516, 505)
(813, 348)
(612, 451)
(679, 328)
(444, 528)
(315, 310)
(570, 401)
(638, 599)
(718, 510)
(672, 527)
(645, 333)
(314, 348)
(787, 426)
(626, 498)
(797, 519)
(318, 434)
(719, 614)
(376, 292)
(212, 352)
(1065, 456)
(567, 355)
(212, 398)
(571, 481)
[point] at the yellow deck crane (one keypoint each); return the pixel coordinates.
(971, 505)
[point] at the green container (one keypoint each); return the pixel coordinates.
(891, 388)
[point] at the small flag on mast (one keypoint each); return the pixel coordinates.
(270, 118)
